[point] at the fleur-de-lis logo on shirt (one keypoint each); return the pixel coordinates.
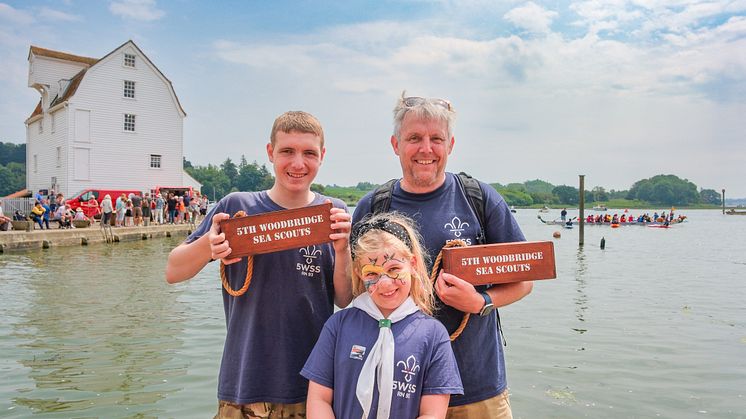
(409, 368)
(456, 226)
(310, 253)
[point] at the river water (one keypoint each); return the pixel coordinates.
(652, 326)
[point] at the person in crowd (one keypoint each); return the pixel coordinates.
(121, 210)
(182, 210)
(55, 201)
(47, 211)
(62, 216)
(391, 285)
(136, 209)
(80, 215)
(172, 204)
(193, 211)
(128, 213)
(145, 209)
(186, 200)
(260, 369)
(160, 208)
(107, 209)
(37, 215)
(91, 208)
(203, 205)
(4, 221)
(423, 139)
(39, 196)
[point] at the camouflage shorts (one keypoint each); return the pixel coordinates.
(228, 410)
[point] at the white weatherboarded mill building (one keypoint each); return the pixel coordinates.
(108, 123)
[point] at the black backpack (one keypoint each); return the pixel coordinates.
(381, 202)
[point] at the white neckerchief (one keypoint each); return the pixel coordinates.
(380, 360)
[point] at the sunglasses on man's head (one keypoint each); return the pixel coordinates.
(413, 101)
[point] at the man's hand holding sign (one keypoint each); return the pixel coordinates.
(464, 267)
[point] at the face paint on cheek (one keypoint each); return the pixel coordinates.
(369, 284)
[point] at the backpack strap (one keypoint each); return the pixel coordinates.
(381, 201)
(475, 196)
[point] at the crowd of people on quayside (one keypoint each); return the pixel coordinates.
(125, 210)
(661, 218)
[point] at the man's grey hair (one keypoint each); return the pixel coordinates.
(428, 109)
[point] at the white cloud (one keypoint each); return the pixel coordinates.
(56, 15)
(531, 17)
(15, 16)
(136, 9)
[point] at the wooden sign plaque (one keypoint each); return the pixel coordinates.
(501, 263)
(277, 230)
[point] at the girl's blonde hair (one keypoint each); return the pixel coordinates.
(370, 236)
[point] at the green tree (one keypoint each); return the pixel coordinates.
(538, 186)
(514, 197)
(365, 186)
(215, 184)
(252, 177)
(230, 171)
(10, 152)
(665, 190)
(12, 178)
(567, 194)
(542, 197)
(598, 194)
(710, 196)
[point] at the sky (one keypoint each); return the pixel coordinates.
(616, 90)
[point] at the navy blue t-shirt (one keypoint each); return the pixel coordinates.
(423, 362)
(441, 215)
(272, 328)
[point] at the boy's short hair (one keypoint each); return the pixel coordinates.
(299, 121)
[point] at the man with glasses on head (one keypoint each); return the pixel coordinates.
(437, 200)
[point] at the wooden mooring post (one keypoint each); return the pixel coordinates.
(581, 213)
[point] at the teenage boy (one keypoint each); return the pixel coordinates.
(272, 328)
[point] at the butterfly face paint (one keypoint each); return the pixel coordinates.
(387, 278)
(372, 273)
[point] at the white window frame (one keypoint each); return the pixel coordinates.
(41, 125)
(156, 161)
(130, 60)
(129, 89)
(36, 163)
(59, 156)
(130, 121)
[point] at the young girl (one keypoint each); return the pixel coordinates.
(385, 356)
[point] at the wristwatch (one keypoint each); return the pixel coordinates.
(488, 306)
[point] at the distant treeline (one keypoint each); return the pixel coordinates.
(661, 190)
(220, 180)
(12, 168)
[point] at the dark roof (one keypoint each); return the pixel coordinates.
(62, 55)
(37, 110)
